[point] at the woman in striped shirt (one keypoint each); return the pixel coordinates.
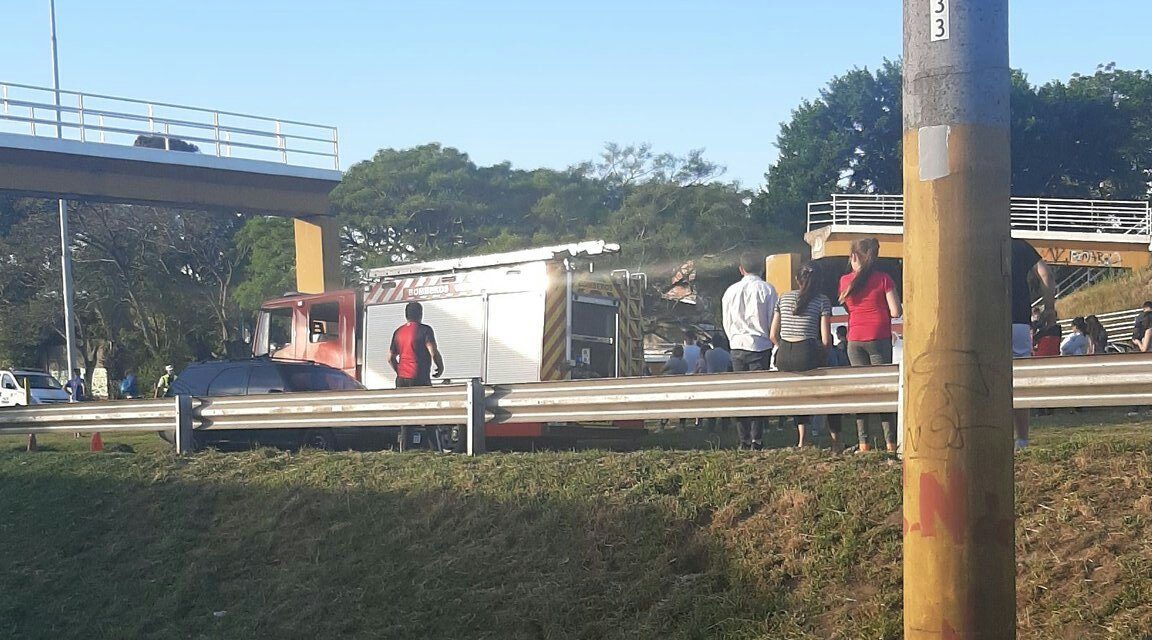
(802, 331)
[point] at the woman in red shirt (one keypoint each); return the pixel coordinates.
(870, 297)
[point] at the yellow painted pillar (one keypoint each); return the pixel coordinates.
(317, 255)
(959, 553)
(780, 271)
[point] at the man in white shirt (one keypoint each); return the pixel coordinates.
(748, 308)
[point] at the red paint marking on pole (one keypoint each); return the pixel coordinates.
(943, 502)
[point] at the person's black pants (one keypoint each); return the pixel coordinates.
(406, 383)
(751, 430)
(797, 357)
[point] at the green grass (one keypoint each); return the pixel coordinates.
(1121, 293)
(662, 543)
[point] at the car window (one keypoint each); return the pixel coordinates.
(37, 381)
(232, 381)
(318, 379)
(8, 383)
(265, 380)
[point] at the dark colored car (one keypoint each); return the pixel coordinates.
(262, 376)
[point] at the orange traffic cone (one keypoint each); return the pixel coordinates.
(32, 446)
(97, 442)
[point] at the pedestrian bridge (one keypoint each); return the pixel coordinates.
(72, 145)
(1076, 233)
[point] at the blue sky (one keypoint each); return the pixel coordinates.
(542, 83)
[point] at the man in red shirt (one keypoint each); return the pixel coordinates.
(414, 350)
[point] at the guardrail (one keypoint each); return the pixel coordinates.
(90, 117)
(1109, 217)
(1084, 381)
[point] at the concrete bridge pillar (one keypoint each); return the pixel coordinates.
(317, 254)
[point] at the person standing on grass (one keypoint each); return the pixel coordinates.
(165, 382)
(676, 365)
(1026, 262)
(413, 350)
(702, 362)
(691, 351)
(802, 331)
(1142, 330)
(718, 359)
(747, 312)
(1097, 336)
(412, 353)
(75, 387)
(1077, 343)
(870, 297)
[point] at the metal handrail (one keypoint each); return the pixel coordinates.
(87, 121)
(1112, 217)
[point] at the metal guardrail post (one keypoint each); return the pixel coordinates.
(185, 439)
(476, 417)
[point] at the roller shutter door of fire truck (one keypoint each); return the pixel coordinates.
(380, 322)
(515, 337)
(459, 327)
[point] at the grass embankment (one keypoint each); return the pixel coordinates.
(651, 544)
(1121, 293)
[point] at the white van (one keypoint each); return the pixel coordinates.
(42, 387)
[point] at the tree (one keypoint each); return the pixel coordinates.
(1088, 138)
(846, 141)
(270, 270)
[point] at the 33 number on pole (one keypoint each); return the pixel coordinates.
(939, 14)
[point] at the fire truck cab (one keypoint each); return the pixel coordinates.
(524, 316)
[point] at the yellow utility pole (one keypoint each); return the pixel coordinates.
(959, 555)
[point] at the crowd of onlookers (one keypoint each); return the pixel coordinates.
(793, 332)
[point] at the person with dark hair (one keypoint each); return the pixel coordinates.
(872, 302)
(77, 390)
(1046, 337)
(1142, 329)
(747, 312)
(1076, 344)
(676, 365)
(411, 355)
(1097, 336)
(1026, 262)
(702, 361)
(802, 330)
(413, 350)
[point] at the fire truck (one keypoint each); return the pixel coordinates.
(526, 316)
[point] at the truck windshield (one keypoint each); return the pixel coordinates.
(37, 381)
(274, 332)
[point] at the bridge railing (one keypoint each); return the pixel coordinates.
(90, 117)
(1111, 217)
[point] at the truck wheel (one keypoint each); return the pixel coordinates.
(321, 439)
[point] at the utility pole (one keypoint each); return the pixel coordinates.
(65, 235)
(959, 553)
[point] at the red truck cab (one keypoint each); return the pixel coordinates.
(318, 327)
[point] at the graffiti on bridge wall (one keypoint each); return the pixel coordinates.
(1082, 257)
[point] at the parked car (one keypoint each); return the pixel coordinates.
(42, 388)
(262, 376)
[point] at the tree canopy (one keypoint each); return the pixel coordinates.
(1088, 137)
